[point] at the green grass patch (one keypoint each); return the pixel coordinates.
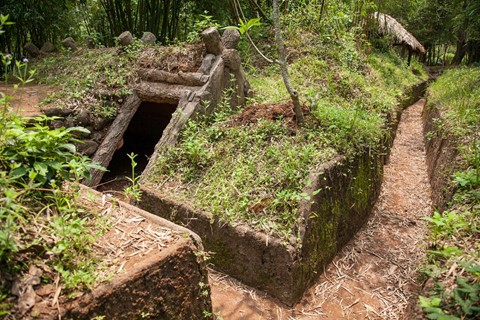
(256, 172)
(253, 173)
(457, 95)
(40, 221)
(454, 256)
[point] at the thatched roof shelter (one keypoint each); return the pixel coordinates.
(389, 26)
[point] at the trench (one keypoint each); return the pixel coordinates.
(375, 276)
(142, 134)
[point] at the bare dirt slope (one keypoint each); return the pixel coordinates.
(375, 275)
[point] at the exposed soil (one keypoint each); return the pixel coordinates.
(129, 241)
(375, 276)
(270, 112)
(26, 99)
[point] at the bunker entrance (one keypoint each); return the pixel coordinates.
(143, 133)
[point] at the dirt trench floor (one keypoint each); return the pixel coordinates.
(376, 275)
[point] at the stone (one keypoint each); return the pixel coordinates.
(83, 117)
(57, 112)
(87, 147)
(207, 64)
(232, 59)
(32, 50)
(89, 43)
(97, 137)
(125, 39)
(230, 38)
(69, 43)
(212, 40)
(149, 38)
(99, 123)
(70, 122)
(47, 47)
(56, 124)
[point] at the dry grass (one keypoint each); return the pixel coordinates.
(390, 26)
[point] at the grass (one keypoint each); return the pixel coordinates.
(457, 95)
(453, 258)
(256, 172)
(251, 173)
(82, 78)
(41, 223)
(98, 80)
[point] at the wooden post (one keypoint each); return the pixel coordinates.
(114, 136)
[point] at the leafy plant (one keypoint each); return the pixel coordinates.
(245, 27)
(203, 22)
(40, 220)
(454, 255)
(133, 191)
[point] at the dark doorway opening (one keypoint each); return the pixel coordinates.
(143, 133)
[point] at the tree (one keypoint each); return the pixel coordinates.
(35, 21)
(283, 64)
(282, 61)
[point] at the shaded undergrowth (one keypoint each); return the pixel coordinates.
(453, 266)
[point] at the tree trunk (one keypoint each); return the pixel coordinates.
(473, 52)
(283, 65)
(461, 49)
(462, 37)
(445, 48)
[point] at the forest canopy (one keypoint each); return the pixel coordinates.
(441, 25)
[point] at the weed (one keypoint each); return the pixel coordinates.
(133, 192)
(454, 254)
(39, 219)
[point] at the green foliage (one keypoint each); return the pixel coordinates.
(245, 27)
(454, 255)
(448, 223)
(4, 22)
(38, 22)
(35, 162)
(40, 219)
(133, 191)
(266, 168)
(37, 156)
(457, 95)
(201, 23)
